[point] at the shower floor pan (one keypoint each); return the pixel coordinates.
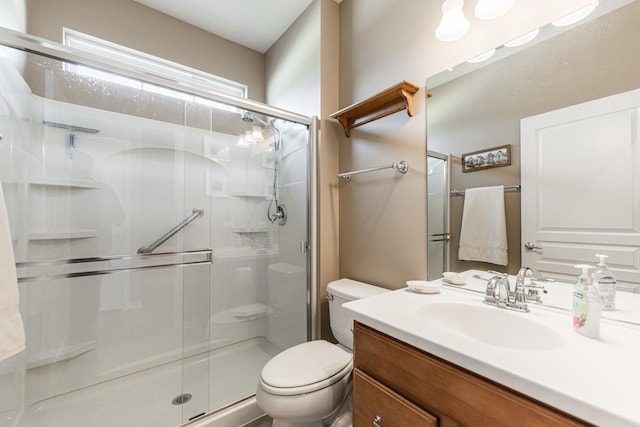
(145, 398)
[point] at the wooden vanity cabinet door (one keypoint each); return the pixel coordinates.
(376, 404)
(454, 395)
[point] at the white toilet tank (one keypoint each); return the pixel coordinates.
(339, 292)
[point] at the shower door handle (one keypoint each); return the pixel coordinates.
(445, 237)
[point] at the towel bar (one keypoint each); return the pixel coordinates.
(518, 187)
(401, 166)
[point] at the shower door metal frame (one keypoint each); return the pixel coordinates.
(32, 44)
(443, 237)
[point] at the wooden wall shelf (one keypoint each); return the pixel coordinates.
(389, 101)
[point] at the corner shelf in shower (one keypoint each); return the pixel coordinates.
(391, 100)
(63, 183)
(250, 195)
(63, 235)
(247, 230)
(66, 183)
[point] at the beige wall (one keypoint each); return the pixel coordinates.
(302, 76)
(382, 42)
(133, 25)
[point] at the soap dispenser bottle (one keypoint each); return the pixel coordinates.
(587, 305)
(605, 281)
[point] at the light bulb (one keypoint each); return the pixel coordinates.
(242, 142)
(490, 9)
(248, 137)
(256, 134)
(576, 16)
(523, 39)
(454, 25)
(482, 57)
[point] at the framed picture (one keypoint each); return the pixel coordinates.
(486, 159)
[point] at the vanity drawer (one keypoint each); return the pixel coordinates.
(377, 405)
(454, 395)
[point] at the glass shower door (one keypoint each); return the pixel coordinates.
(437, 214)
(95, 169)
(259, 286)
(162, 259)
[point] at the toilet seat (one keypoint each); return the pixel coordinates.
(306, 368)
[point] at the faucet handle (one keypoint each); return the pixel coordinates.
(490, 293)
(524, 272)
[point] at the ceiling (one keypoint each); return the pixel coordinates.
(256, 24)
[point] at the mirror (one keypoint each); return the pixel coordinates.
(476, 107)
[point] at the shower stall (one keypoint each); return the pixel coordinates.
(161, 235)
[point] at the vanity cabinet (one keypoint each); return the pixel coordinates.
(392, 377)
(382, 407)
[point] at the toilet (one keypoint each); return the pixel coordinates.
(309, 384)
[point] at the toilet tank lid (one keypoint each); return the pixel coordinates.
(353, 290)
(304, 364)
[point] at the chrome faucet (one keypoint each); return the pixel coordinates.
(534, 286)
(499, 291)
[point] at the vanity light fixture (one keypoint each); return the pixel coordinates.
(576, 16)
(454, 25)
(256, 134)
(491, 9)
(248, 137)
(482, 57)
(523, 39)
(242, 141)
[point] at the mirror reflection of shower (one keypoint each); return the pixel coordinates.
(438, 228)
(276, 211)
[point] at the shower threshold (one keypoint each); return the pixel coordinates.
(145, 398)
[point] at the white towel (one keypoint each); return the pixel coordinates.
(11, 327)
(483, 236)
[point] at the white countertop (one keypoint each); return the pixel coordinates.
(559, 295)
(593, 379)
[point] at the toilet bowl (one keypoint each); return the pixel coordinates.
(309, 384)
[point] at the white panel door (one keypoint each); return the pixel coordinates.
(581, 188)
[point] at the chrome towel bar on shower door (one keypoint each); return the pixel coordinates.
(401, 166)
(37, 271)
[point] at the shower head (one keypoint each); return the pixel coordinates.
(248, 117)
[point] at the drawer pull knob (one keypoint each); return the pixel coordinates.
(377, 421)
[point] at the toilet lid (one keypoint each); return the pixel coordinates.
(307, 363)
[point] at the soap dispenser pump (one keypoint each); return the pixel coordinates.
(587, 306)
(605, 281)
